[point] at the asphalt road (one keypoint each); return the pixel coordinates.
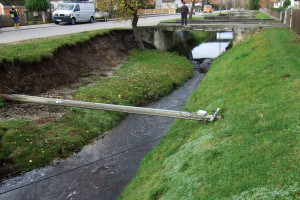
(8, 35)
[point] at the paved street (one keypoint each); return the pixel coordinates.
(8, 35)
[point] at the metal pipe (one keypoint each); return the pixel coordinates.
(109, 107)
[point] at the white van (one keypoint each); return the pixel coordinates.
(73, 12)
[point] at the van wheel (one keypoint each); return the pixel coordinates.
(91, 20)
(56, 22)
(73, 21)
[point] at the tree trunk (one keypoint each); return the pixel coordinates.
(135, 32)
(192, 9)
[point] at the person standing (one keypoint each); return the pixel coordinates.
(184, 13)
(14, 13)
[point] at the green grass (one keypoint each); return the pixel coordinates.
(253, 152)
(34, 51)
(193, 19)
(261, 15)
(146, 76)
(202, 36)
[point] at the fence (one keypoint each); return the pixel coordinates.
(295, 25)
(6, 21)
(156, 11)
(39, 16)
(292, 18)
(26, 18)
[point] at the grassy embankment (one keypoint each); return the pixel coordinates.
(146, 76)
(254, 152)
(261, 15)
(35, 50)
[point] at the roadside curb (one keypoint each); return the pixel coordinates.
(10, 29)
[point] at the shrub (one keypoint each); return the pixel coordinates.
(36, 5)
(286, 3)
(254, 4)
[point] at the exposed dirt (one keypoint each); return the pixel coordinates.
(59, 77)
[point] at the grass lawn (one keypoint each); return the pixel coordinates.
(34, 50)
(146, 76)
(254, 151)
(261, 15)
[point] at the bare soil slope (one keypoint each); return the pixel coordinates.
(70, 68)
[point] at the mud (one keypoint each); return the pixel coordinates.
(68, 64)
(70, 68)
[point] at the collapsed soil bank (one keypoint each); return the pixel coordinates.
(68, 64)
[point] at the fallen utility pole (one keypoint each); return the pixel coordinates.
(200, 115)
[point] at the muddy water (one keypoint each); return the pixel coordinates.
(107, 178)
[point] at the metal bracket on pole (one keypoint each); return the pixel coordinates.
(215, 115)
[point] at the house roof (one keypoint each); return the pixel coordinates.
(12, 2)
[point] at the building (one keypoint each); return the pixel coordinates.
(5, 6)
(54, 4)
(170, 4)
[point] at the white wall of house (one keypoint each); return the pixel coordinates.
(280, 3)
(1, 9)
(173, 5)
(158, 4)
(178, 4)
(55, 4)
(169, 5)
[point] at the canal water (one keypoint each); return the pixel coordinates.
(104, 179)
(212, 49)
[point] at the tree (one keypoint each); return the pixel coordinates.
(36, 5)
(286, 3)
(254, 4)
(193, 7)
(105, 5)
(128, 9)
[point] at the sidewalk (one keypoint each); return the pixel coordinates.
(27, 27)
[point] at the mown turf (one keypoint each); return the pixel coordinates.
(261, 15)
(253, 152)
(146, 76)
(37, 49)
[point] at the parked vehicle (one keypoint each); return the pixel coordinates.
(207, 8)
(74, 12)
(99, 15)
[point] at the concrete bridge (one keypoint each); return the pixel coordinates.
(163, 35)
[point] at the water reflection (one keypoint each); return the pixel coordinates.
(209, 50)
(224, 35)
(213, 49)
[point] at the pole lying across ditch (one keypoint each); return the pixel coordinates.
(200, 115)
